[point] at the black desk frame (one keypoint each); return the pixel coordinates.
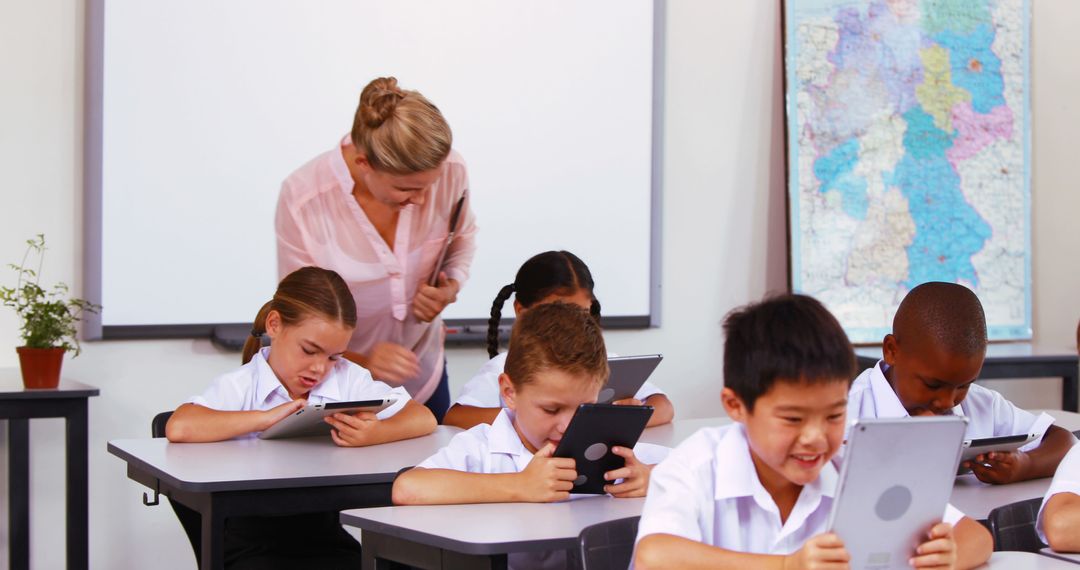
(1062, 366)
(19, 408)
(215, 506)
(382, 550)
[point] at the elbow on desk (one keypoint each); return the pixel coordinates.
(177, 431)
(404, 491)
(648, 555)
(1060, 535)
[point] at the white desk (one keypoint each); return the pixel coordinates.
(1073, 559)
(479, 536)
(272, 477)
(1025, 561)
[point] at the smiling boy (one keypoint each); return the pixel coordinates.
(931, 361)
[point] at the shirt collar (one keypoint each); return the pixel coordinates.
(340, 169)
(504, 439)
(886, 402)
(267, 383)
(738, 476)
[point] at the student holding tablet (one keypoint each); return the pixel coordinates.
(379, 208)
(544, 278)
(1059, 515)
(931, 361)
(309, 321)
(555, 363)
(758, 493)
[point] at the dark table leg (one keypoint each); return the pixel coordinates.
(1070, 391)
(213, 537)
(382, 551)
(78, 488)
(19, 493)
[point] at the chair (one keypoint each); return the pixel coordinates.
(190, 519)
(608, 545)
(1013, 526)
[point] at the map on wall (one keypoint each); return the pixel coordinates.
(908, 155)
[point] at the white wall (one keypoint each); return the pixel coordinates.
(724, 238)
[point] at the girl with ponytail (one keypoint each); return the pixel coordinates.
(552, 276)
(309, 322)
(378, 208)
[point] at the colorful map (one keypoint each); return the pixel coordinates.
(908, 137)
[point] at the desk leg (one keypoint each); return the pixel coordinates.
(19, 493)
(1070, 392)
(213, 537)
(78, 488)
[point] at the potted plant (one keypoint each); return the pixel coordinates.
(48, 320)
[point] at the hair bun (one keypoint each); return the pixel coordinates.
(379, 100)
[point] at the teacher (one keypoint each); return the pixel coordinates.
(377, 209)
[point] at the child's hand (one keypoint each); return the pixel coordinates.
(820, 552)
(546, 478)
(627, 402)
(353, 430)
(999, 467)
(430, 301)
(278, 413)
(937, 552)
(635, 475)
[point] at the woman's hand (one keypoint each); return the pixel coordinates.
(430, 301)
(392, 363)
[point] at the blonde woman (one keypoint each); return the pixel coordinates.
(377, 209)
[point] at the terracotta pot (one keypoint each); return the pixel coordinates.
(40, 366)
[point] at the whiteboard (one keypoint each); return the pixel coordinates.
(198, 110)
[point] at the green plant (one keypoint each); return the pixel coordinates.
(48, 317)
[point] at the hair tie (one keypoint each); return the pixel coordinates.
(256, 334)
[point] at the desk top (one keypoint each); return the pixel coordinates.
(1007, 351)
(496, 528)
(249, 464)
(1071, 558)
(11, 388)
(1025, 561)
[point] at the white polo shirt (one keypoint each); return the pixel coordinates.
(254, 386)
(496, 448)
(1066, 480)
(989, 414)
(482, 390)
(708, 491)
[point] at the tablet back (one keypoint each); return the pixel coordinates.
(311, 420)
(894, 485)
(628, 373)
(593, 431)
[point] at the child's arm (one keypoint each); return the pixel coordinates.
(364, 428)
(670, 551)
(1010, 467)
(967, 546)
(1061, 518)
(545, 479)
(192, 423)
(663, 411)
(466, 417)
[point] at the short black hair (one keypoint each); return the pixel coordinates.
(783, 337)
(947, 314)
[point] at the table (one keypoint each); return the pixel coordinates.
(270, 477)
(1016, 360)
(18, 406)
(1008, 560)
(1068, 557)
(478, 536)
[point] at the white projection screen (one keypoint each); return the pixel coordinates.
(198, 110)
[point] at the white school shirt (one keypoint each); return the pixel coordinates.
(1066, 480)
(496, 448)
(482, 390)
(708, 491)
(989, 414)
(254, 386)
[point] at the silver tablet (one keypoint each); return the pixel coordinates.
(895, 482)
(628, 373)
(975, 447)
(309, 420)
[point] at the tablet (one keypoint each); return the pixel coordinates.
(895, 482)
(975, 447)
(593, 431)
(628, 373)
(308, 420)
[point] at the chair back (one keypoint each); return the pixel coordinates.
(608, 545)
(1013, 526)
(157, 425)
(190, 519)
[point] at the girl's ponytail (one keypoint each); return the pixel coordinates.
(496, 316)
(258, 329)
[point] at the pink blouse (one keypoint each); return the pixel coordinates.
(319, 223)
